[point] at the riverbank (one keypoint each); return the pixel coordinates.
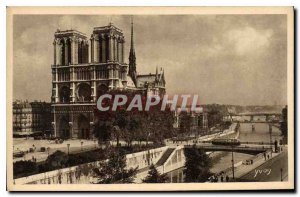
(274, 169)
(248, 169)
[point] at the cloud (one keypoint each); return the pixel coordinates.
(248, 40)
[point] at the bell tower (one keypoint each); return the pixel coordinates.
(107, 45)
(107, 55)
(70, 47)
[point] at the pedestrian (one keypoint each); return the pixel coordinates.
(268, 156)
(216, 179)
(227, 178)
(222, 178)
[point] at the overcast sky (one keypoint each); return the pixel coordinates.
(232, 59)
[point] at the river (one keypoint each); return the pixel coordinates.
(222, 160)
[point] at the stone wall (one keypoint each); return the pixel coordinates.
(82, 174)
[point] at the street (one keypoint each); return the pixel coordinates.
(75, 146)
(269, 171)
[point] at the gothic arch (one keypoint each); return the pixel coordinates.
(62, 51)
(101, 89)
(68, 48)
(83, 127)
(84, 92)
(64, 128)
(80, 51)
(64, 94)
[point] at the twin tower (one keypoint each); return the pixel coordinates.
(72, 47)
(97, 64)
(82, 71)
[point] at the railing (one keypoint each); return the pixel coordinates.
(230, 148)
(209, 142)
(169, 165)
(69, 175)
(257, 143)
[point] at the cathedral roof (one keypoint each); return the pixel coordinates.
(149, 78)
(130, 83)
(110, 26)
(69, 33)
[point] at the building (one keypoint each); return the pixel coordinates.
(31, 118)
(85, 69)
(151, 84)
(195, 121)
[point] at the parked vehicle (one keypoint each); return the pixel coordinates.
(18, 154)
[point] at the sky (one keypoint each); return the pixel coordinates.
(225, 59)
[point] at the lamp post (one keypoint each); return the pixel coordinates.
(68, 145)
(232, 162)
(270, 131)
(48, 149)
(281, 178)
(95, 141)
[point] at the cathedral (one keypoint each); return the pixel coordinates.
(84, 69)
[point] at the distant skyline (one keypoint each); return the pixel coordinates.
(225, 59)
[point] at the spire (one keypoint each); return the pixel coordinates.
(132, 58)
(161, 73)
(132, 44)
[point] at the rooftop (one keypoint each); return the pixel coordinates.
(109, 26)
(69, 32)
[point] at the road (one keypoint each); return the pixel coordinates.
(75, 147)
(269, 171)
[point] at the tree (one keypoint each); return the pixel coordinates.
(197, 165)
(161, 124)
(284, 123)
(57, 160)
(131, 131)
(24, 168)
(120, 122)
(185, 123)
(154, 176)
(114, 170)
(215, 114)
(103, 130)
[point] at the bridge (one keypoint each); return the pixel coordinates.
(241, 142)
(267, 116)
(247, 149)
(258, 114)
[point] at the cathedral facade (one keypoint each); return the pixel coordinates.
(84, 69)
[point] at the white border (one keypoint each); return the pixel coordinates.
(5, 3)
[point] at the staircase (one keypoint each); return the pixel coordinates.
(164, 157)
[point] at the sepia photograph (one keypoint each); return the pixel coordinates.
(150, 99)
